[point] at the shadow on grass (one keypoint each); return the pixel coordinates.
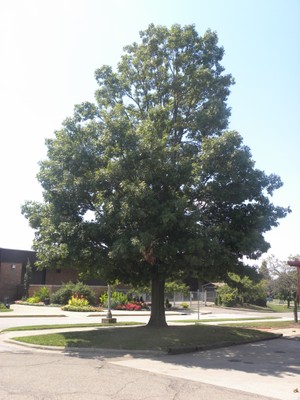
(224, 348)
(224, 351)
(168, 340)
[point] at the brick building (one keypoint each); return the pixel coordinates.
(12, 270)
(12, 267)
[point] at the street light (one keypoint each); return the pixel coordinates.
(109, 319)
(109, 314)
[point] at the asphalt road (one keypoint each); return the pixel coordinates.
(38, 375)
(260, 371)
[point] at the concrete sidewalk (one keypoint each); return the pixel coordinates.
(268, 368)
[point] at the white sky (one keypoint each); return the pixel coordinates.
(50, 49)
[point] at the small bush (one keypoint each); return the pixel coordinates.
(78, 301)
(129, 307)
(86, 291)
(33, 300)
(2, 306)
(228, 296)
(43, 293)
(63, 295)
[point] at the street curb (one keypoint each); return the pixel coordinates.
(192, 349)
(93, 350)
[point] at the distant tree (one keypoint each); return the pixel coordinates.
(285, 279)
(243, 289)
(147, 184)
(266, 276)
(176, 287)
(264, 271)
(27, 277)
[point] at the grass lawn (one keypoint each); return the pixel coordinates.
(275, 307)
(203, 321)
(65, 326)
(144, 338)
(266, 324)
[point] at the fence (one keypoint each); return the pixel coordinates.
(177, 298)
(201, 297)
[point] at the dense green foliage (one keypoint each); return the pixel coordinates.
(242, 290)
(147, 184)
(64, 294)
(117, 299)
(43, 293)
(282, 278)
(27, 277)
(33, 300)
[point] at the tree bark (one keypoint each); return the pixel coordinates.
(157, 317)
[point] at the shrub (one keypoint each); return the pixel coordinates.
(184, 305)
(2, 306)
(27, 277)
(43, 293)
(33, 300)
(63, 295)
(228, 296)
(116, 299)
(129, 307)
(86, 291)
(242, 290)
(78, 301)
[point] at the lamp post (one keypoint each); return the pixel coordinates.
(109, 314)
(109, 319)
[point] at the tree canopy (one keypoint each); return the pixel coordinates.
(147, 183)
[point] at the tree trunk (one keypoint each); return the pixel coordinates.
(157, 317)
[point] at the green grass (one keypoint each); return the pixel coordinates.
(266, 324)
(221, 319)
(3, 308)
(280, 307)
(272, 306)
(65, 326)
(145, 338)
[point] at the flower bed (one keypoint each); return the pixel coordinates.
(136, 306)
(87, 308)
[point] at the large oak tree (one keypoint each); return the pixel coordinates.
(147, 184)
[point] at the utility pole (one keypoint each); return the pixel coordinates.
(296, 263)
